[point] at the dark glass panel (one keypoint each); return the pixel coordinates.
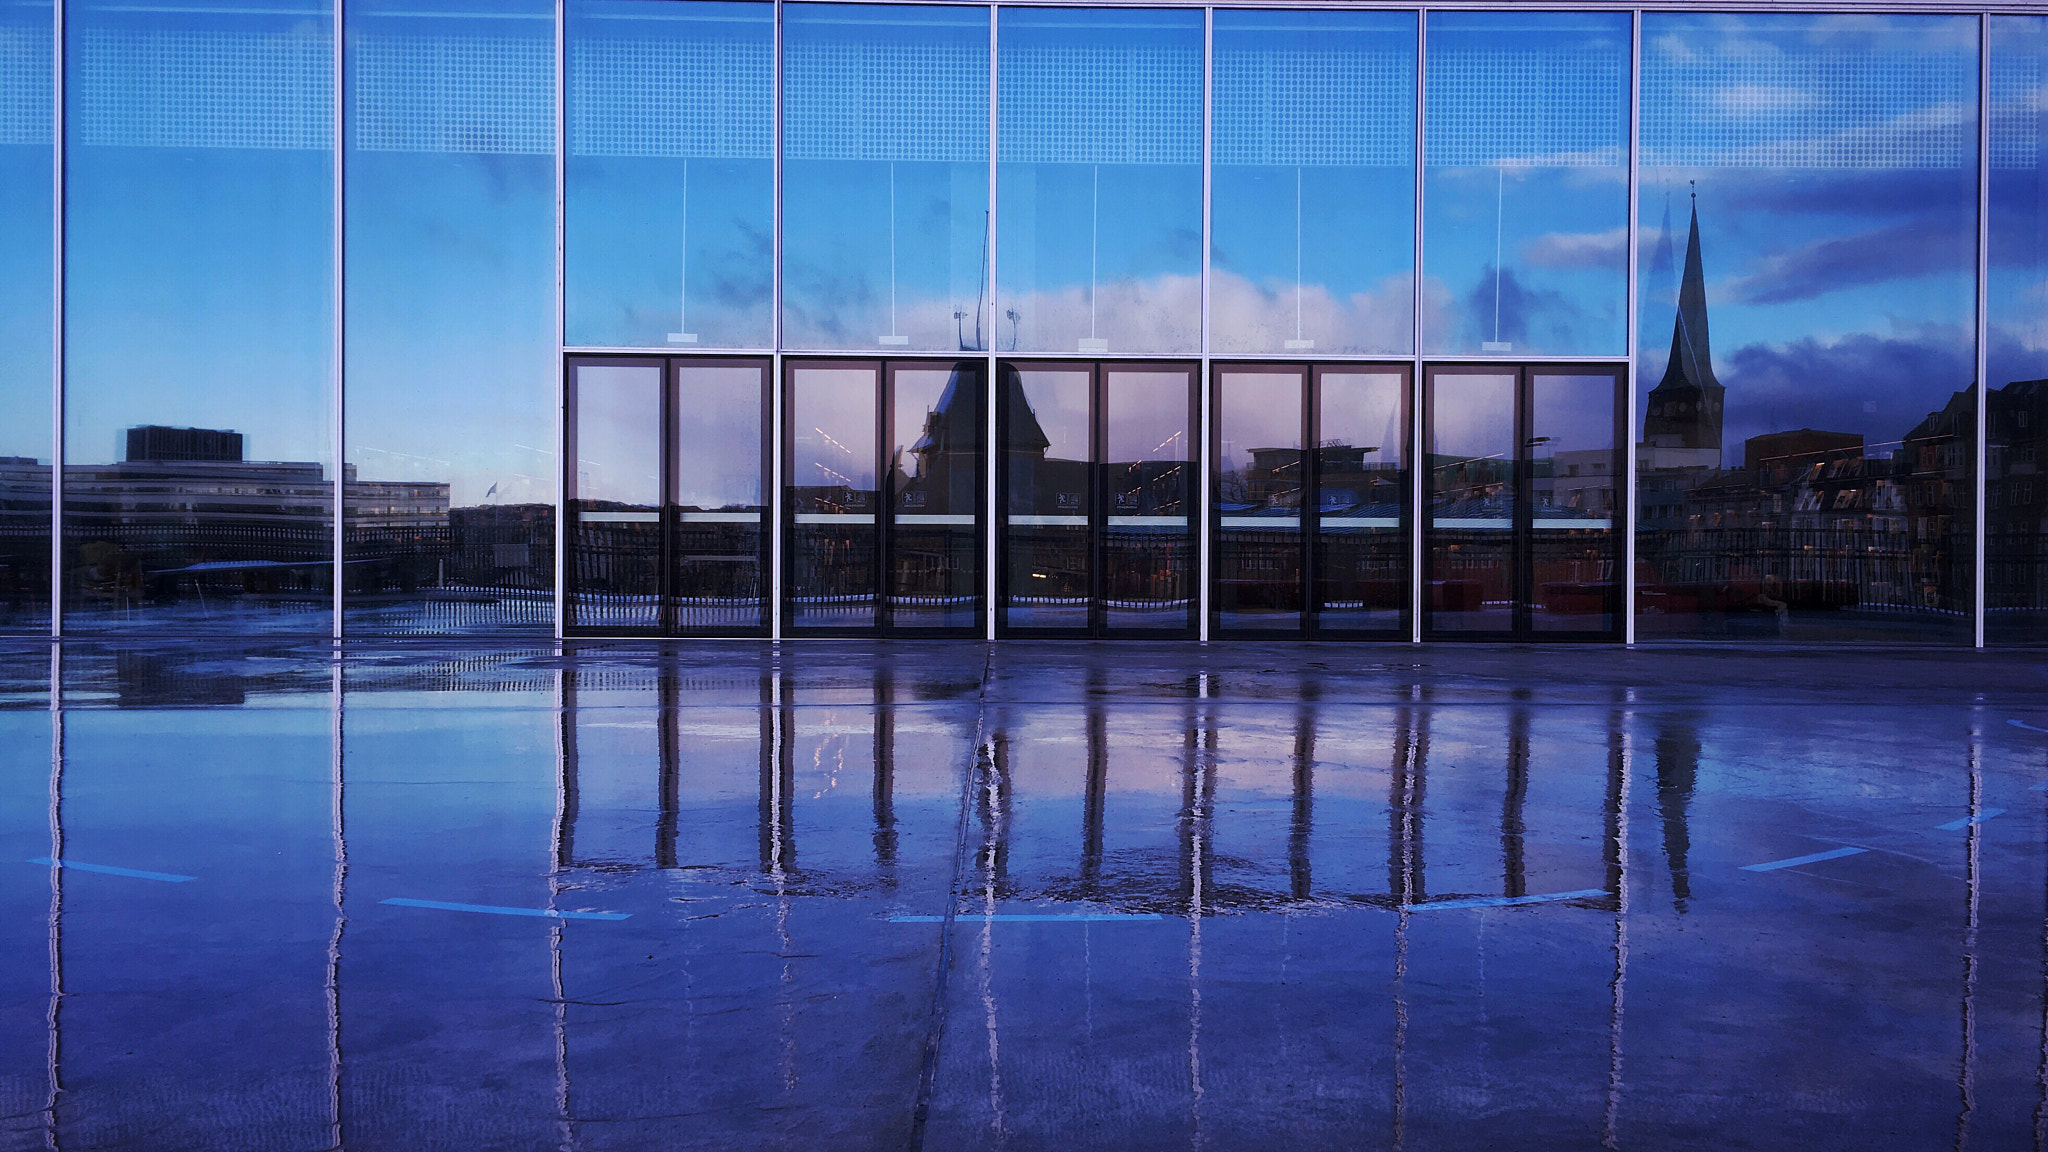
(449, 500)
(25, 308)
(938, 426)
(1048, 495)
(1312, 176)
(884, 177)
(199, 315)
(670, 174)
(1362, 490)
(1808, 185)
(1148, 543)
(1261, 486)
(1574, 482)
(1471, 501)
(2016, 356)
(719, 531)
(1525, 169)
(614, 496)
(833, 499)
(1099, 175)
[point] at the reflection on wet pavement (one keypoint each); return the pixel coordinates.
(1016, 896)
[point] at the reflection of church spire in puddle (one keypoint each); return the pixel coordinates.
(683, 335)
(1684, 410)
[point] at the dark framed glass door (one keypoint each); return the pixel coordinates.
(1310, 500)
(664, 486)
(883, 490)
(1097, 499)
(1521, 516)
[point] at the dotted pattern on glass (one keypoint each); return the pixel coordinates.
(467, 94)
(1317, 108)
(868, 101)
(676, 98)
(1824, 110)
(1100, 104)
(25, 79)
(2017, 109)
(163, 88)
(1538, 109)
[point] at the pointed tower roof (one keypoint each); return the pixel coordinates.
(1691, 363)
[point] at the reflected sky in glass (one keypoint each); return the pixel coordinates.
(199, 223)
(1099, 181)
(618, 435)
(670, 199)
(1312, 182)
(1525, 196)
(2018, 286)
(25, 307)
(718, 446)
(885, 177)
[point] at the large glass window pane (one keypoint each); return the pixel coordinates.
(719, 552)
(1148, 549)
(1312, 182)
(834, 535)
(25, 305)
(1525, 168)
(884, 177)
(1260, 488)
(670, 171)
(2016, 499)
(1472, 501)
(937, 428)
(614, 495)
(1099, 181)
(1047, 414)
(1362, 486)
(199, 233)
(1809, 189)
(1573, 481)
(448, 518)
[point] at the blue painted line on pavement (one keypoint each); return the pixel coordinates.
(137, 873)
(1031, 918)
(2027, 726)
(500, 910)
(1965, 822)
(1503, 901)
(1795, 861)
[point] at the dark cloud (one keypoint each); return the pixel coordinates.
(2007, 358)
(1520, 307)
(1873, 257)
(1896, 192)
(1880, 386)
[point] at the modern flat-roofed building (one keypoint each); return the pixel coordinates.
(790, 318)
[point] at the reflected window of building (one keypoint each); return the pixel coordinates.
(199, 233)
(614, 494)
(670, 174)
(2016, 353)
(25, 315)
(885, 177)
(1808, 194)
(449, 482)
(1312, 175)
(1099, 181)
(1525, 183)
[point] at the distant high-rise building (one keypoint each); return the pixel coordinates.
(1685, 409)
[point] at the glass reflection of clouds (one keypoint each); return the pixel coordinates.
(1812, 182)
(25, 307)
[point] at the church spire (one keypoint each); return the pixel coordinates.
(1685, 407)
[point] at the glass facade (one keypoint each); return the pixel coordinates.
(1808, 196)
(741, 318)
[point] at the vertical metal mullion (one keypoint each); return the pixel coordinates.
(992, 451)
(1311, 516)
(338, 414)
(777, 545)
(1204, 463)
(1418, 456)
(885, 495)
(1980, 463)
(1624, 519)
(57, 319)
(566, 460)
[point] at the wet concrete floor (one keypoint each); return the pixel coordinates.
(934, 896)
